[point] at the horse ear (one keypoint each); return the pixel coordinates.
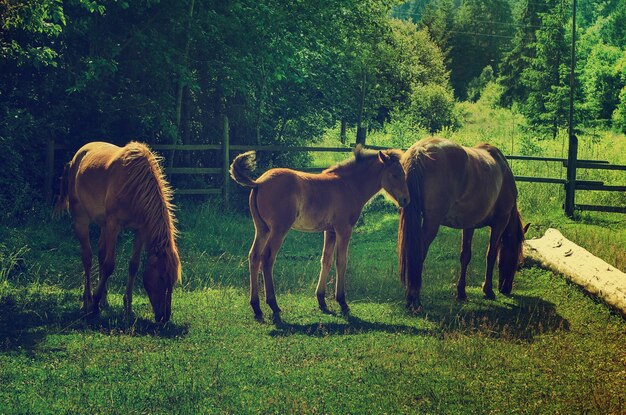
(383, 157)
(526, 228)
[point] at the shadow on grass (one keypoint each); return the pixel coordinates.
(523, 320)
(352, 325)
(28, 317)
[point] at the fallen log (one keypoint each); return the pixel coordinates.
(558, 254)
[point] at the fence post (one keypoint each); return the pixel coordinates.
(49, 178)
(226, 162)
(572, 152)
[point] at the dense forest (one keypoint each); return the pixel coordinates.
(286, 71)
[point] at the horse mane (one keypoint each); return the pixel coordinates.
(148, 191)
(362, 155)
(410, 221)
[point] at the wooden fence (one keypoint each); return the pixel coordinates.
(227, 149)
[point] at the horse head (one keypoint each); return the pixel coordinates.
(162, 272)
(510, 253)
(393, 178)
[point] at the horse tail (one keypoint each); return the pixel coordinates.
(410, 248)
(510, 252)
(241, 168)
(62, 202)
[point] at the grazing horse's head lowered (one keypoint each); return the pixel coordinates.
(123, 188)
(463, 188)
(162, 271)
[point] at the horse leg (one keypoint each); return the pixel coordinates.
(466, 256)
(107, 264)
(104, 302)
(254, 263)
(133, 266)
(81, 229)
(343, 240)
(327, 261)
(429, 232)
(274, 243)
(492, 253)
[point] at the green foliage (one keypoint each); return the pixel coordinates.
(601, 80)
(547, 77)
(477, 41)
(519, 57)
(619, 115)
(491, 94)
(168, 72)
(476, 86)
(433, 107)
(11, 261)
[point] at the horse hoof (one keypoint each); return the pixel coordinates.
(321, 300)
(324, 309)
(414, 307)
(460, 297)
(490, 295)
(259, 317)
(274, 306)
(345, 310)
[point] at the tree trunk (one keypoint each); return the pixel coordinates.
(182, 84)
(560, 255)
(186, 123)
(259, 110)
(360, 131)
(282, 128)
(342, 132)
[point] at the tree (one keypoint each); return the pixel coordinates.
(480, 35)
(547, 76)
(519, 57)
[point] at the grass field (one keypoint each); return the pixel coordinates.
(548, 348)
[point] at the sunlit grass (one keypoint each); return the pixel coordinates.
(549, 348)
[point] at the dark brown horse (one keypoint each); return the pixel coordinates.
(463, 188)
(330, 202)
(123, 188)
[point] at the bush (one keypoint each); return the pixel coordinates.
(400, 132)
(619, 115)
(433, 107)
(491, 95)
(477, 85)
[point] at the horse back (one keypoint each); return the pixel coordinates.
(508, 192)
(462, 186)
(304, 201)
(95, 175)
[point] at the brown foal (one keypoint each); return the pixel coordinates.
(330, 202)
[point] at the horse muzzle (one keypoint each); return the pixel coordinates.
(403, 201)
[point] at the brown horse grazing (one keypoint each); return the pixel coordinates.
(463, 188)
(283, 199)
(123, 188)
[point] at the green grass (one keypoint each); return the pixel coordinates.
(547, 349)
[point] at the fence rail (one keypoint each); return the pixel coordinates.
(226, 149)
